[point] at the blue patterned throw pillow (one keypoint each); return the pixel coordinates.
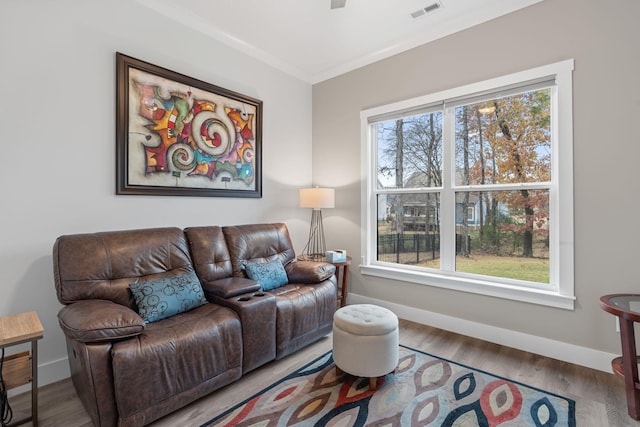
(269, 274)
(162, 298)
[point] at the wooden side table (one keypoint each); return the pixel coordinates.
(627, 308)
(343, 280)
(21, 368)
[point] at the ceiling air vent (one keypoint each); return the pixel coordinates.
(427, 9)
(432, 7)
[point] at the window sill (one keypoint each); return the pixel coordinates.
(516, 293)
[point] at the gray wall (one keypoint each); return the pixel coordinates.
(57, 173)
(603, 40)
(57, 78)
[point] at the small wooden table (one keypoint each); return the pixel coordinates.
(627, 308)
(343, 280)
(21, 368)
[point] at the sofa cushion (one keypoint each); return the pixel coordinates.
(174, 357)
(257, 243)
(167, 296)
(270, 274)
(304, 314)
(209, 252)
(102, 265)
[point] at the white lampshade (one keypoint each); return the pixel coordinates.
(317, 198)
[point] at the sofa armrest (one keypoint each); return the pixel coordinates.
(309, 271)
(229, 287)
(99, 320)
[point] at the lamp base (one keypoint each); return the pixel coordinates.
(315, 247)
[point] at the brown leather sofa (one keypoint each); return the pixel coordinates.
(130, 373)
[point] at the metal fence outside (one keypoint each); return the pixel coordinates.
(412, 248)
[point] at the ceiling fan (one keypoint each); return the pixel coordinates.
(337, 4)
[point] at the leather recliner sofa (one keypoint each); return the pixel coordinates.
(130, 373)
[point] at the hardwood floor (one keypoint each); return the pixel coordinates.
(599, 396)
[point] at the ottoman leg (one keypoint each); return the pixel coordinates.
(373, 382)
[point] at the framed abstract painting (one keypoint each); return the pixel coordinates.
(179, 136)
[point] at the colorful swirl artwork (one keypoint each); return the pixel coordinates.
(190, 136)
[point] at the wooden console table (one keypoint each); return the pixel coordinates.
(627, 308)
(22, 368)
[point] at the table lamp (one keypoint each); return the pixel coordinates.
(316, 198)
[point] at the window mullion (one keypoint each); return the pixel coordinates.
(448, 200)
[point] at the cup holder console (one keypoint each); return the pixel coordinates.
(246, 298)
(257, 312)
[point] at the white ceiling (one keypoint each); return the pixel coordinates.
(309, 40)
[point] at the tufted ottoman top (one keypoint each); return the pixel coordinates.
(365, 319)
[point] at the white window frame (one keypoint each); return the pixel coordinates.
(560, 292)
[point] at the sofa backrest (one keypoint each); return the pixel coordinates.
(258, 242)
(102, 265)
(209, 253)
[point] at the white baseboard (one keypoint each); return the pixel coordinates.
(53, 371)
(582, 356)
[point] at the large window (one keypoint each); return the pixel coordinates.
(472, 189)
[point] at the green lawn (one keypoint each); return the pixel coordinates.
(531, 269)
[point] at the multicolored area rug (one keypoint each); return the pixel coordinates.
(425, 390)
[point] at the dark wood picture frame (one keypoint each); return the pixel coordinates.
(179, 136)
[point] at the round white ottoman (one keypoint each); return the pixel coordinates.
(365, 341)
